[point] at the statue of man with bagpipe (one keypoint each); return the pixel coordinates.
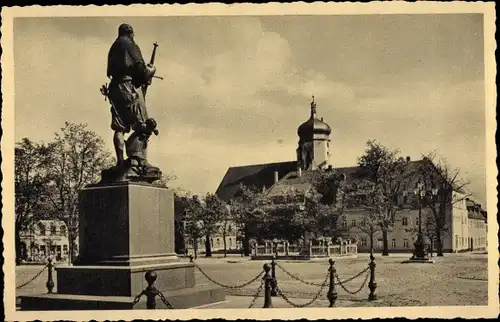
(130, 77)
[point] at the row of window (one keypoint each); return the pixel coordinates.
(404, 222)
(218, 242)
(53, 230)
(380, 243)
(476, 224)
(461, 242)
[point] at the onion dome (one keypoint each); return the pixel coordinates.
(313, 125)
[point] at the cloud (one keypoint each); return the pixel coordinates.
(237, 88)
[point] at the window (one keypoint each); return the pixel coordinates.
(404, 221)
(62, 230)
(230, 242)
(456, 240)
(53, 230)
(344, 222)
(416, 221)
(405, 243)
(218, 241)
(65, 249)
(380, 243)
(393, 244)
(353, 223)
(230, 229)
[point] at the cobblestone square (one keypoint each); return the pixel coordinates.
(454, 280)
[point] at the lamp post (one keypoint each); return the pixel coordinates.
(419, 252)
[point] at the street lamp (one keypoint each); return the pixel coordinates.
(419, 252)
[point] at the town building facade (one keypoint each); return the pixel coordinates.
(45, 238)
(465, 220)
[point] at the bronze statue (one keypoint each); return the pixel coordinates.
(130, 76)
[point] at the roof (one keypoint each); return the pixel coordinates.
(313, 126)
(290, 181)
(474, 210)
(258, 175)
(262, 175)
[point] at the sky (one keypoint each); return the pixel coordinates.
(236, 88)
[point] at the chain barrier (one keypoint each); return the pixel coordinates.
(355, 276)
(232, 287)
(137, 298)
(164, 300)
(297, 278)
(159, 293)
(33, 278)
(323, 285)
(352, 292)
(256, 296)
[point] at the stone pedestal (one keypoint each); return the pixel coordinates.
(126, 230)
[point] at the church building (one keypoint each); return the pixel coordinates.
(313, 152)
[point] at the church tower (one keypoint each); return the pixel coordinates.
(314, 142)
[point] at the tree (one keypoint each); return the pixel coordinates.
(372, 200)
(30, 176)
(389, 173)
(213, 209)
(225, 225)
(248, 209)
(180, 208)
(77, 160)
(333, 190)
(450, 189)
(193, 218)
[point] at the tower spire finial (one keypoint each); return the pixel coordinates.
(313, 107)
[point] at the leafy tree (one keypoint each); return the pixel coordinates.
(213, 210)
(77, 160)
(389, 173)
(449, 187)
(193, 219)
(372, 200)
(333, 191)
(225, 225)
(248, 209)
(31, 164)
(180, 207)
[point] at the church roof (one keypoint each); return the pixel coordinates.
(258, 175)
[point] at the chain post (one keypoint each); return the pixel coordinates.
(372, 285)
(332, 293)
(268, 280)
(151, 290)
(273, 275)
(50, 281)
(190, 258)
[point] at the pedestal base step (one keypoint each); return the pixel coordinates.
(179, 299)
